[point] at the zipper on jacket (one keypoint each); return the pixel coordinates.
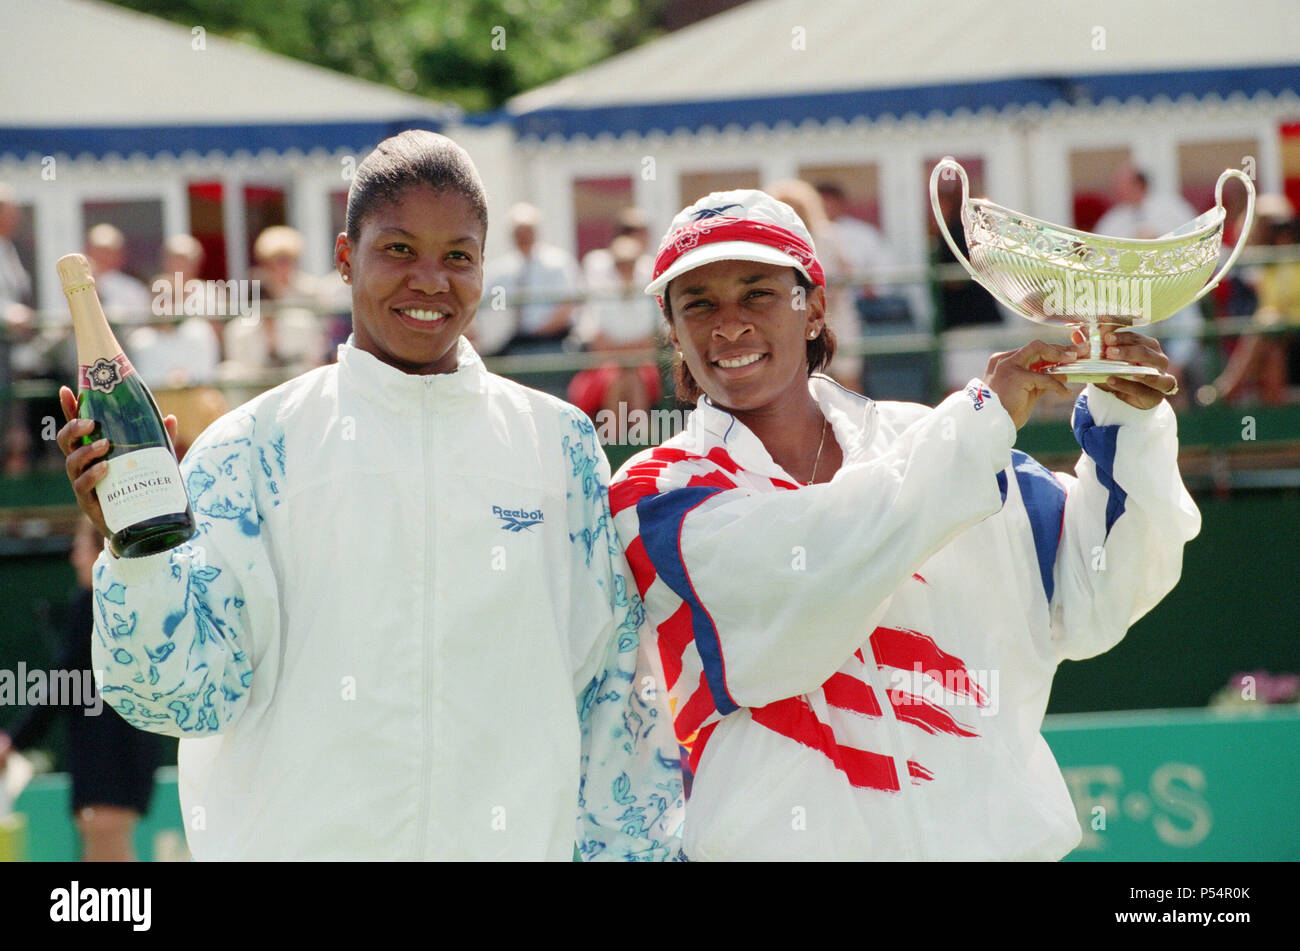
(915, 848)
(427, 623)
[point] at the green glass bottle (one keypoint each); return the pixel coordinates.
(142, 495)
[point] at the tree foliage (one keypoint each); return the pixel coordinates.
(476, 53)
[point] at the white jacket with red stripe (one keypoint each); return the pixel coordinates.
(860, 668)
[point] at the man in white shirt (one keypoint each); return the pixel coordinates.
(15, 325)
(15, 284)
(1138, 213)
(524, 309)
(125, 300)
(176, 354)
(618, 312)
(528, 281)
(600, 268)
(618, 318)
(861, 242)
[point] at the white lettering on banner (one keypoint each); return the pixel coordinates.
(1175, 803)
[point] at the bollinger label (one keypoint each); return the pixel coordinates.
(104, 375)
(141, 485)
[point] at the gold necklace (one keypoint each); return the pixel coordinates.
(817, 461)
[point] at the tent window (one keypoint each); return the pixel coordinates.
(950, 191)
(696, 185)
(141, 224)
(859, 183)
(1092, 175)
(1201, 163)
(264, 206)
(596, 204)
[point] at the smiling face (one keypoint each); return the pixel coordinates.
(416, 270)
(741, 333)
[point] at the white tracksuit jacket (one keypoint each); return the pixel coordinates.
(860, 668)
(404, 630)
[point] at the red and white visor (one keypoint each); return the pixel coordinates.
(741, 225)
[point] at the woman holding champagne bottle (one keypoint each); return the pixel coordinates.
(403, 628)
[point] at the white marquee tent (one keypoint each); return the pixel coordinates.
(103, 105)
(129, 107)
(1033, 90)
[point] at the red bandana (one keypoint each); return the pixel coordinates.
(713, 230)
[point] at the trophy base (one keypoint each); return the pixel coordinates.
(1099, 371)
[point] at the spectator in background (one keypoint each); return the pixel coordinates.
(15, 283)
(277, 253)
(619, 317)
(125, 300)
(524, 311)
(841, 309)
(18, 356)
(862, 243)
(111, 763)
(533, 269)
(184, 353)
(882, 309)
(1267, 363)
(180, 360)
(599, 269)
(1139, 213)
(27, 353)
(286, 333)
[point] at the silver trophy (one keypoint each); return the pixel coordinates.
(1056, 275)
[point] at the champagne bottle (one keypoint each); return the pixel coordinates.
(142, 495)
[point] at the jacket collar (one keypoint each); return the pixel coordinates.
(852, 419)
(406, 393)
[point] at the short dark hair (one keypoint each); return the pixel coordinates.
(413, 158)
(819, 351)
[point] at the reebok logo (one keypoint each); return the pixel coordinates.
(516, 520)
(978, 394)
(714, 212)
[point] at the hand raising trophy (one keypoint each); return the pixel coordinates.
(1055, 275)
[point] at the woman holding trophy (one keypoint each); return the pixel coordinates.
(859, 606)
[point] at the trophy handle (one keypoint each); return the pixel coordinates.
(949, 164)
(1245, 231)
(946, 164)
